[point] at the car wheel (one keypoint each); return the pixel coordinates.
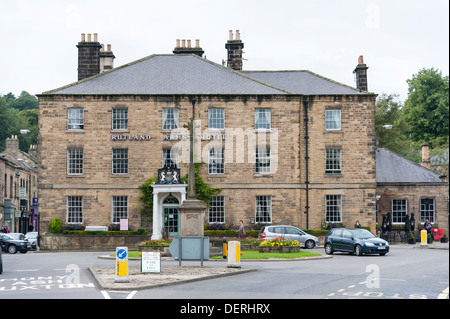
(358, 250)
(24, 251)
(12, 249)
(328, 249)
(309, 244)
(382, 254)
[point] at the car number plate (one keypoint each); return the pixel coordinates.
(381, 248)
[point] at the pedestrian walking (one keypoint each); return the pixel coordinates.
(241, 232)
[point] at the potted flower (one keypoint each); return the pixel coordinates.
(444, 238)
(429, 239)
(411, 239)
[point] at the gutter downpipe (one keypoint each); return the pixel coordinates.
(305, 105)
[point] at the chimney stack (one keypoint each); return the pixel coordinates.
(234, 48)
(361, 75)
(12, 143)
(426, 156)
(88, 56)
(106, 58)
(183, 49)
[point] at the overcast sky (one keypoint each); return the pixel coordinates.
(396, 37)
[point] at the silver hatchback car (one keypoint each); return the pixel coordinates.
(289, 232)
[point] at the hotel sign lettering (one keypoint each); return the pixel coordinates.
(203, 137)
(124, 137)
(171, 137)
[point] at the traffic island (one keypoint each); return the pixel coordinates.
(169, 275)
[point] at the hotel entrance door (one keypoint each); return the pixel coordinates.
(171, 221)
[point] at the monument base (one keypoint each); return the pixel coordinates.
(192, 215)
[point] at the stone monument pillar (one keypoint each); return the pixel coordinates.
(192, 210)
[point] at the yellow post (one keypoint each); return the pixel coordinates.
(225, 248)
(423, 237)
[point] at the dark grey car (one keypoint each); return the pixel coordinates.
(289, 232)
(358, 241)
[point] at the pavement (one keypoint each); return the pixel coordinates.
(172, 275)
(169, 275)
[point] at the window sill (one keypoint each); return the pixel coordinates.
(335, 175)
(120, 175)
(333, 131)
(216, 175)
(262, 175)
(74, 130)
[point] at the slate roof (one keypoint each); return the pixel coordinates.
(303, 82)
(169, 75)
(393, 168)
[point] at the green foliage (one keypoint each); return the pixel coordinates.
(56, 225)
(389, 112)
(203, 191)
(427, 107)
(17, 114)
(422, 118)
(147, 196)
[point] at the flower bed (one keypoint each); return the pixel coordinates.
(161, 246)
(279, 245)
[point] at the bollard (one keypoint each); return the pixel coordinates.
(423, 237)
(121, 265)
(234, 254)
(225, 248)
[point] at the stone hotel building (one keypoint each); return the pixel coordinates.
(284, 147)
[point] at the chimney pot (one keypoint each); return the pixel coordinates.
(183, 43)
(197, 43)
(238, 35)
(83, 37)
(230, 35)
(360, 60)
(95, 37)
(108, 47)
(89, 37)
(103, 48)
(178, 43)
(188, 43)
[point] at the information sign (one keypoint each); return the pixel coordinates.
(151, 262)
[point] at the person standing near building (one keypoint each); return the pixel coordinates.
(428, 228)
(241, 232)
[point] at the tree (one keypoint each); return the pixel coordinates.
(427, 107)
(18, 114)
(25, 101)
(7, 122)
(389, 112)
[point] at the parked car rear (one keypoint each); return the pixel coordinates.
(289, 232)
(358, 241)
(12, 245)
(32, 238)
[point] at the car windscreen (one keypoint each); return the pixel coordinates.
(362, 233)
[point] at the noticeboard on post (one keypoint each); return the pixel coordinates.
(151, 262)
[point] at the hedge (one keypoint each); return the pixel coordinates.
(140, 231)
